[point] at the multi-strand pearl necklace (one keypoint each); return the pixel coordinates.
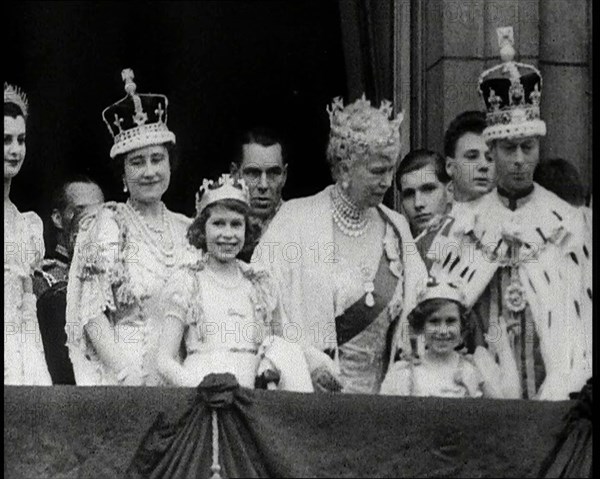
(151, 233)
(351, 220)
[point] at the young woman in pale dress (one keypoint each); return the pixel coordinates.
(24, 361)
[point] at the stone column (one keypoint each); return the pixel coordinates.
(565, 37)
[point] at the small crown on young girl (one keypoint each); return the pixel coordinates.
(435, 288)
(225, 188)
(362, 124)
(13, 94)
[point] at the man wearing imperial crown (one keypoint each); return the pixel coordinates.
(523, 252)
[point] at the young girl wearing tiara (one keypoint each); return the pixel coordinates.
(222, 312)
(440, 317)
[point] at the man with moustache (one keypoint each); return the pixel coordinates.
(260, 160)
(521, 251)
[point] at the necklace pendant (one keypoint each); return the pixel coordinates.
(369, 289)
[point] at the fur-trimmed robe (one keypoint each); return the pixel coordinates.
(555, 270)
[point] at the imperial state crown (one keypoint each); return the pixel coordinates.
(511, 92)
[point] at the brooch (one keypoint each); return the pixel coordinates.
(514, 297)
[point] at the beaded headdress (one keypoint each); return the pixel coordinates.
(137, 120)
(13, 94)
(511, 92)
(441, 288)
(361, 127)
(225, 188)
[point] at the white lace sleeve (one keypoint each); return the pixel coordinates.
(89, 292)
(35, 228)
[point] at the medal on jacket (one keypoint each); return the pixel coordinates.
(514, 295)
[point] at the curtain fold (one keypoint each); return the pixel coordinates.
(185, 449)
(367, 37)
(572, 454)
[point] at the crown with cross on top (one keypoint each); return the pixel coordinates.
(137, 120)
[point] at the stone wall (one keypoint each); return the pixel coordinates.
(461, 41)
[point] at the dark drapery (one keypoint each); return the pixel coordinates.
(367, 33)
(573, 453)
(83, 432)
(224, 66)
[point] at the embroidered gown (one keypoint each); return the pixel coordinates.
(24, 361)
(229, 328)
(324, 298)
(119, 270)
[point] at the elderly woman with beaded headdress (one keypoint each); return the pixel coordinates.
(24, 361)
(524, 252)
(343, 259)
(126, 252)
(225, 313)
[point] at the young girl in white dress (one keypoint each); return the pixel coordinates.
(24, 361)
(439, 319)
(224, 313)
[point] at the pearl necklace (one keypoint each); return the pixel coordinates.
(350, 220)
(151, 227)
(165, 254)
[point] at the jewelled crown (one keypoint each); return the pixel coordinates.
(512, 92)
(360, 125)
(225, 188)
(438, 288)
(13, 94)
(137, 120)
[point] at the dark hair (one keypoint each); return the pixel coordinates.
(74, 225)
(260, 135)
(117, 164)
(418, 316)
(59, 196)
(196, 233)
(417, 159)
(466, 122)
(12, 110)
(562, 178)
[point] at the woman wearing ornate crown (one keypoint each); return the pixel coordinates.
(440, 317)
(226, 313)
(24, 361)
(343, 259)
(126, 253)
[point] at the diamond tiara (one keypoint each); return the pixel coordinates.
(13, 94)
(225, 188)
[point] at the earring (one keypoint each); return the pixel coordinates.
(125, 190)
